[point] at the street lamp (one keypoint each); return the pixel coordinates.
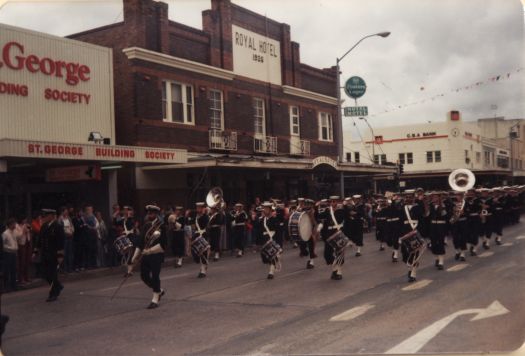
(339, 116)
(512, 135)
(373, 138)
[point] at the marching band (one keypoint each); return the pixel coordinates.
(409, 222)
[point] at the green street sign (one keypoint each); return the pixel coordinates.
(356, 111)
(355, 87)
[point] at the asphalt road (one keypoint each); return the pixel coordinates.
(474, 306)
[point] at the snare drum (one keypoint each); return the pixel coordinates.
(199, 246)
(270, 250)
(338, 241)
(412, 241)
(300, 226)
(123, 244)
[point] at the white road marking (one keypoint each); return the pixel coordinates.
(506, 244)
(139, 282)
(416, 342)
(522, 237)
(418, 285)
(458, 267)
(486, 254)
(352, 313)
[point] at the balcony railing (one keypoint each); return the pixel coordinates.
(299, 147)
(222, 140)
(265, 144)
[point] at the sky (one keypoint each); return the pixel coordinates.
(442, 55)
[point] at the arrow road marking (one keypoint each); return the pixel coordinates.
(458, 267)
(418, 285)
(416, 342)
(352, 313)
(486, 254)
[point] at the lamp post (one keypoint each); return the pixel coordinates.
(373, 138)
(340, 149)
(512, 136)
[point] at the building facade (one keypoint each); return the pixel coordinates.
(430, 151)
(254, 119)
(57, 127)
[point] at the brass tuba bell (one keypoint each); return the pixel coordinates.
(461, 180)
(215, 199)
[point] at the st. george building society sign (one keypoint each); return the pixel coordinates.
(256, 56)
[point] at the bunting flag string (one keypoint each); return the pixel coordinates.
(493, 79)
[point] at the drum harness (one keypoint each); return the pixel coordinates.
(338, 256)
(270, 234)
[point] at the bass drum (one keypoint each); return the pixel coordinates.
(300, 226)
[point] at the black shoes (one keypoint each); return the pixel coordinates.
(456, 256)
(381, 248)
(357, 254)
(51, 298)
(486, 246)
(410, 278)
(152, 305)
(335, 276)
(309, 265)
(394, 259)
(201, 275)
(462, 258)
(498, 242)
(270, 276)
(440, 267)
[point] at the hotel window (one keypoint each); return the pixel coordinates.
(430, 157)
(325, 127)
(349, 156)
(294, 121)
(437, 156)
(478, 157)
(216, 109)
(357, 157)
(259, 118)
(177, 102)
(487, 158)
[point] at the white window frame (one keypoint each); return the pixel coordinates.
(329, 127)
(402, 158)
(409, 158)
(357, 157)
(292, 124)
(212, 108)
(167, 84)
(431, 156)
(436, 157)
(256, 117)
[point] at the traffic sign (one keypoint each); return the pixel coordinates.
(356, 111)
(355, 87)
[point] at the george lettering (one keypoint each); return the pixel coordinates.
(13, 55)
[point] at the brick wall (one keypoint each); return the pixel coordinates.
(138, 83)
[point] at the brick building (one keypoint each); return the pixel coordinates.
(253, 118)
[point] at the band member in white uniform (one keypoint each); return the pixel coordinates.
(268, 224)
(151, 244)
(201, 221)
(333, 218)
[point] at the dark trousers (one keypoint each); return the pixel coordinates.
(9, 270)
(239, 237)
(150, 270)
(51, 277)
(215, 239)
(307, 248)
(459, 235)
(178, 243)
(80, 252)
(330, 255)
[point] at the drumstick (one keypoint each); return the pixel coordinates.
(120, 286)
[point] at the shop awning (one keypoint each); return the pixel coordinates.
(283, 163)
(91, 152)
